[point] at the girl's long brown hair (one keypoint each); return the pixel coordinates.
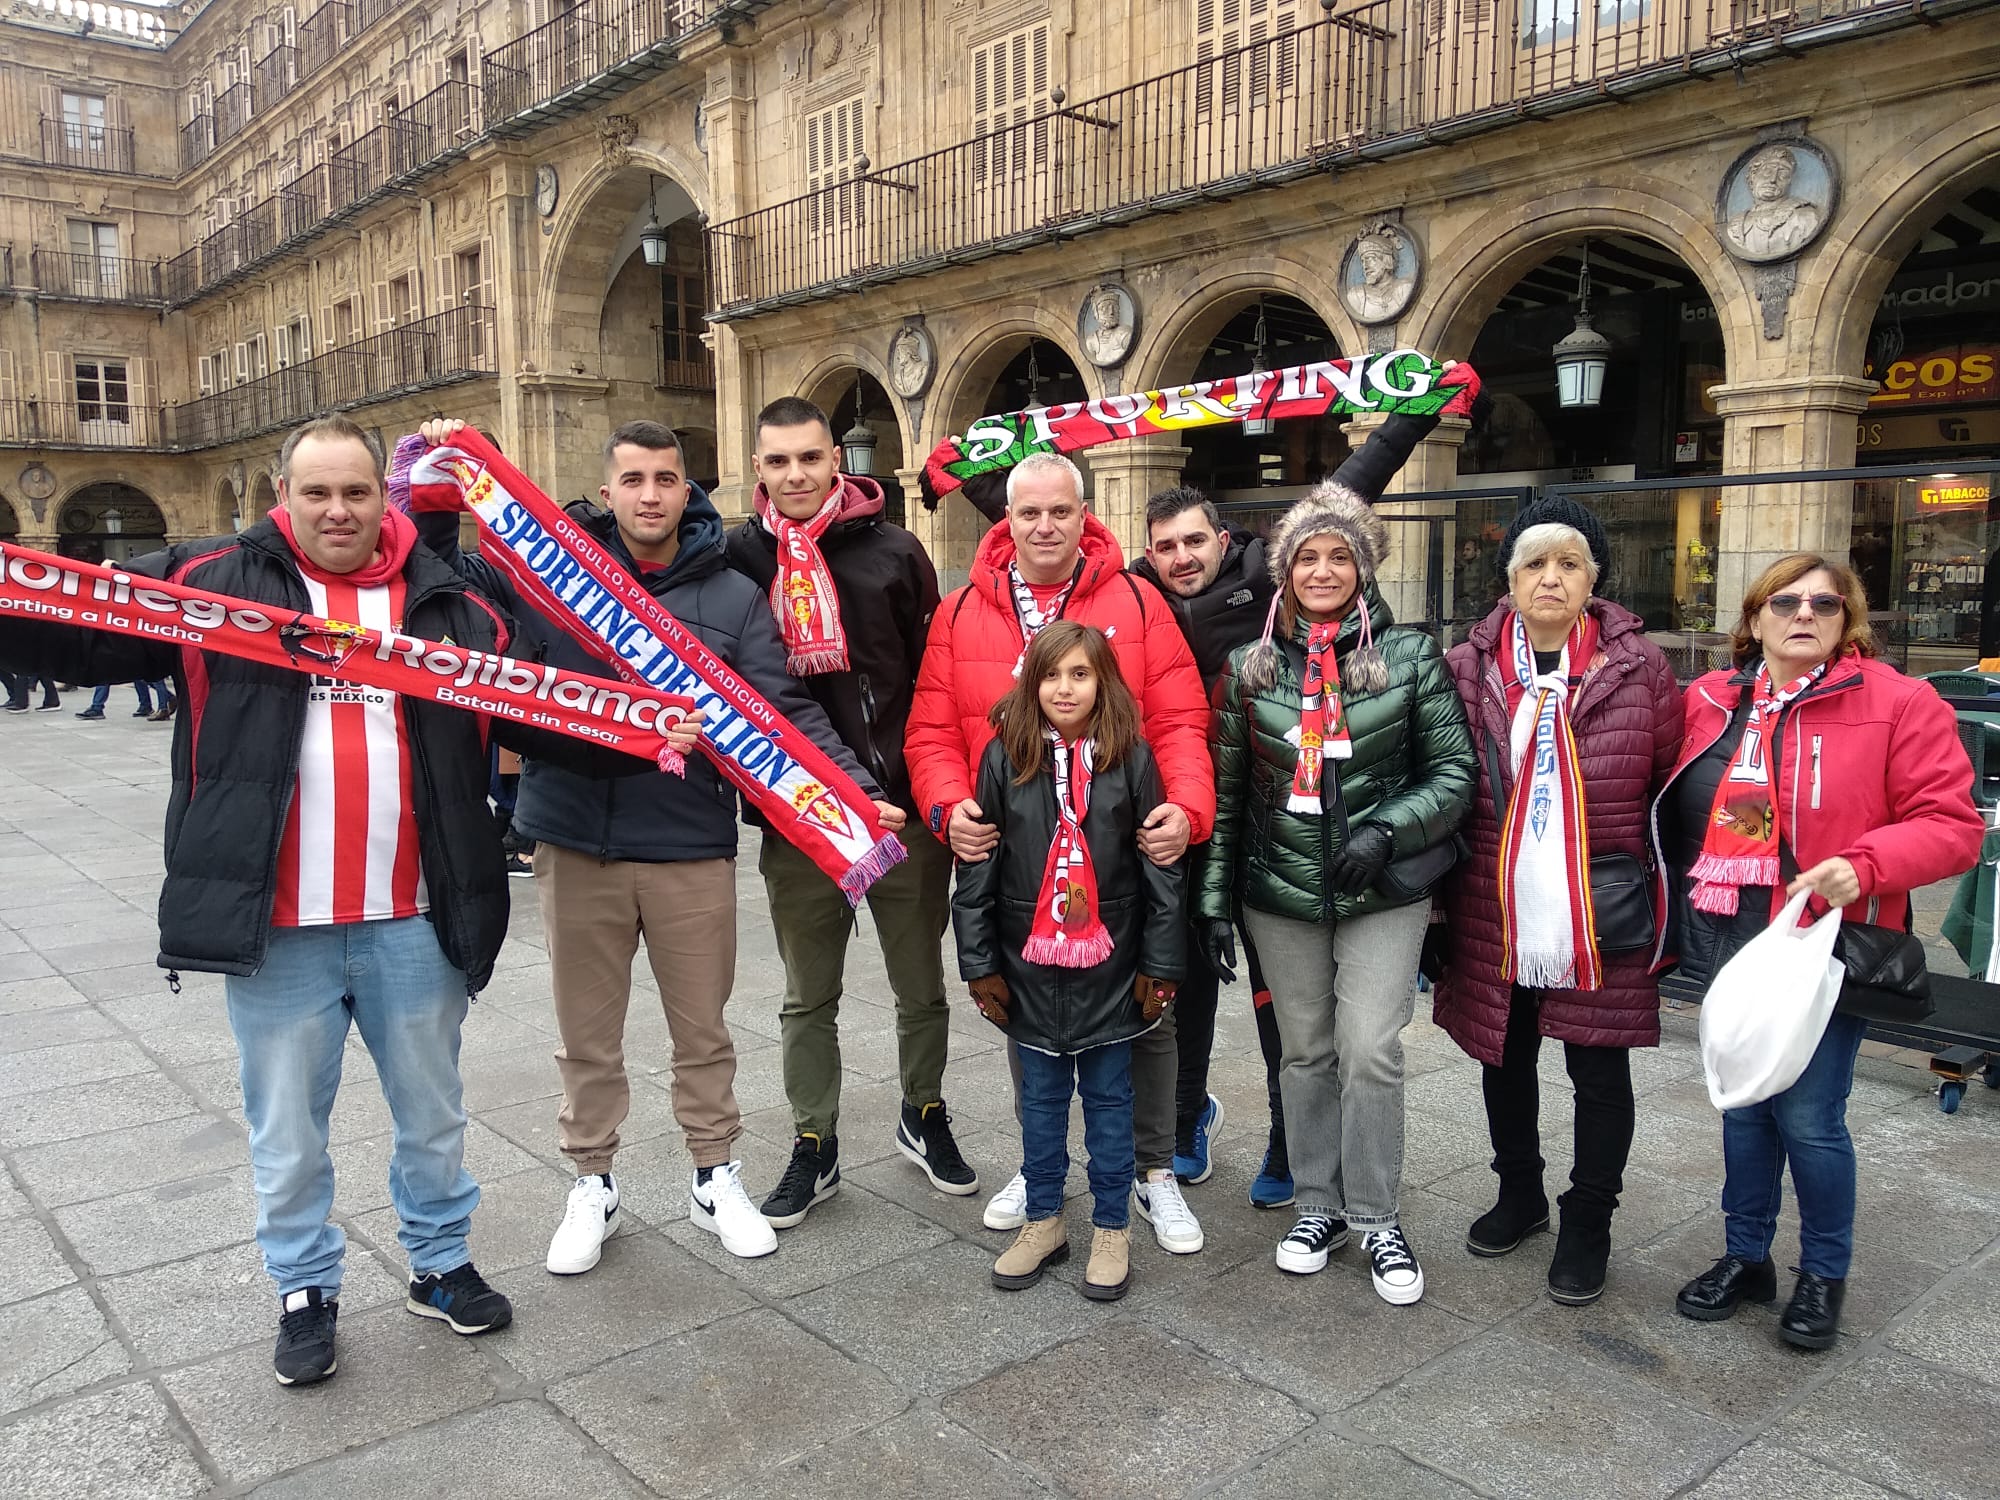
(1114, 720)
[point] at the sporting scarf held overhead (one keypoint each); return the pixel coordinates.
(1400, 381)
(1548, 932)
(1068, 931)
(562, 571)
(35, 585)
(1322, 728)
(1740, 845)
(802, 593)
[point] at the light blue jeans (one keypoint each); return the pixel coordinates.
(392, 981)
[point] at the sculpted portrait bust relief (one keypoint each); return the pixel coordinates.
(1379, 275)
(1788, 192)
(1107, 325)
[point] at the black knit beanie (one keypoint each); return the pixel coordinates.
(1559, 510)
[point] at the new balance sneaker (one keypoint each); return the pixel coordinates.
(812, 1177)
(1197, 1165)
(1398, 1277)
(579, 1240)
(717, 1203)
(305, 1337)
(1313, 1238)
(460, 1298)
(924, 1136)
(1157, 1197)
(1008, 1208)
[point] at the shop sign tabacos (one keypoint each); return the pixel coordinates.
(1964, 372)
(1946, 494)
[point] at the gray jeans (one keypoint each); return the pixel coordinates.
(1156, 1061)
(1342, 992)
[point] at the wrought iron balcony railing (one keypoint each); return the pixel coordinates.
(96, 278)
(320, 36)
(81, 424)
(197, 141)
(407, 141)
(697, 374)
(589, 50)
(88, 148)
(233, 108)
(1375, 79)
(277, 74)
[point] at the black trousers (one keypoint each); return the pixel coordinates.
(1602, 1078)
(1195, 1006)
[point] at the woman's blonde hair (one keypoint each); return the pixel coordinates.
(1781, 575)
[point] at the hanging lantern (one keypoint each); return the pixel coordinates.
(1264, 426)
(857, 446)
(653, 239)
(1034, 382)
(1584, 353)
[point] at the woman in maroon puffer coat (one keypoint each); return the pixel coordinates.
(1570, 704)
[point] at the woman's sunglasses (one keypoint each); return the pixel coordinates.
(1825, 606)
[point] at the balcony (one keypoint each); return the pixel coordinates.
(233, 108)
(96, 278)
(697, 374)
(402, 145)
(1381, 78)
(277, 74)
(87, 148)
(81, 424)
(197, 141)
(320, 36)
(590, 51)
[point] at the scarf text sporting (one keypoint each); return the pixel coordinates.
(1401, 381)
(35, 585)
(561, 570)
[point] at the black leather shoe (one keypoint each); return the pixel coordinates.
(1502, 1227)
(1812, 1318)
(1716, 1293)
(1583, 1250)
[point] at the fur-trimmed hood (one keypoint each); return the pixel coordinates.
(1329, 509)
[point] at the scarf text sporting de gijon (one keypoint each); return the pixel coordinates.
(38, 586)
(562, 571)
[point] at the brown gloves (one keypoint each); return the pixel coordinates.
(989, 993)
(1154, 995)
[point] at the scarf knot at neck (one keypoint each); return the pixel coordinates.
(803, 596)
(1739, 846)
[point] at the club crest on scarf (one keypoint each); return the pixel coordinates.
(326, 643)
(803, 596)
(1740, 846)
(1068, 931)
(1321, 733)
(814, 801)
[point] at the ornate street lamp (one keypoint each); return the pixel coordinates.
(1264, 426)
(1034, 381)
(1583, 353)
(653, 239)
(857, 444)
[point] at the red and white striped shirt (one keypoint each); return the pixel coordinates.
(349, 852)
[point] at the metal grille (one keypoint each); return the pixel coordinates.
(320, 35)
(233, 108)
(98, 278)
(85, 146)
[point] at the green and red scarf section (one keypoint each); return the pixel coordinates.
(562, 571)
(1401, 382)
(62, 591)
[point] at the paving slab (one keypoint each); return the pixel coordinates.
(90, 1109)
(41, 1069)
(1767, 1469)
(915, 1456)
(117, 1161)
(167, 1222)
(30, 1263)
(1958, 1325)
(1330, 1464)
(114, 1445)
(54, 1345)
(1906, 1425)
(848, 1234)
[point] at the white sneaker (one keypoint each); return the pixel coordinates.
(579, 1239)
(1398, 1277)
(1158, 1198)
(1008, 1208)
(722, 1208)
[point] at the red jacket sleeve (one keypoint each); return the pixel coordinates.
(934, 747)
(1175, 711)
(1934, 831)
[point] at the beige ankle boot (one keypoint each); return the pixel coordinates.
(1109, 1274)
(1040, 1244)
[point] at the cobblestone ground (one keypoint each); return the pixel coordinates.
(869, 1356)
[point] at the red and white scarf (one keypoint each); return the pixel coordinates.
(1740, 845)
(1321, 734)
(1033, 618)
(802, 594)
(1068, 930)
(1548, 931)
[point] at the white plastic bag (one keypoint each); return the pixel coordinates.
(1764, 1014)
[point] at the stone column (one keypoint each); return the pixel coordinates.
(927, 526)
(728, 113)
(1124, 476)
(1788, 425)
(1404, 575)
(564, 424)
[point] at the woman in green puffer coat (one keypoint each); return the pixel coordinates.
(1343, 768)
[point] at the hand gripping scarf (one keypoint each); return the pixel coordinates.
(1321, 734)
(1548, 932)
(1068, 932)
(1030, 616)
(560, 569)
(802, 594)
(34, 585)
(1740, 845)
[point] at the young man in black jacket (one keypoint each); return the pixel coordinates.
(853, 596)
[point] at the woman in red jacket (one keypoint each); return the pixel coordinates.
(1576, 717)
(1810, 765)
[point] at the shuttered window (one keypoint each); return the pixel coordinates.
(1229, 77)
(1010, 93)
(833, 142)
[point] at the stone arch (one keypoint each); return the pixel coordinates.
(828, 379)
(1203, 304)
(108, 520)
(10, 523)
(963, 380)
(226, 509)
(263, 498)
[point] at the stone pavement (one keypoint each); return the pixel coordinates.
(870, 1356)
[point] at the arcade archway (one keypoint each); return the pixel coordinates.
(109, 522)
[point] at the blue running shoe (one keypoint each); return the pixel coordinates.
(461, 1299)
(1272, 1187)
(1196, 1165)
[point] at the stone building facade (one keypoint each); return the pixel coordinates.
(916, 211)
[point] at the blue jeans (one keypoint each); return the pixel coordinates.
(1807, 1123)
(149, 693)
(1102, 1078)
(391, 980)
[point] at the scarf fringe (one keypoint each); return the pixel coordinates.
(1716, 900)
(887, 853)
(1545, 971)
(1299, 802)
(1065, 952)
(813, 663)
(1735, 869)
(672, 762)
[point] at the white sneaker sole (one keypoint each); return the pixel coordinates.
(1399, 1296)
(1301, 1263)
(792, 1221)
(1184, 1245)
(576, 1265)
(997, 1217)
(956, 1189)
(764, 1245)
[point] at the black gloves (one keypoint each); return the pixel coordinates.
(1436, 951)
(1218, 944)
(1362, 859)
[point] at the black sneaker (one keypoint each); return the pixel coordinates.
(924, 1136)
(305, 1338)
(519, 866)
(812, 1177)
(1313, 1238)
(91, 713)
(461, 1298)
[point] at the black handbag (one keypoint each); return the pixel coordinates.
(1411, 878)
(1887, 977)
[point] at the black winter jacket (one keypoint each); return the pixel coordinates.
(993, 907)
(1229, 612)
(888, 591)
(657, 819)
(236, 756)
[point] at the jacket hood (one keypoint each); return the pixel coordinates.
(701, 537)
(1613, 621)
(1242, 560)
(1100, 558)
(860, 500)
